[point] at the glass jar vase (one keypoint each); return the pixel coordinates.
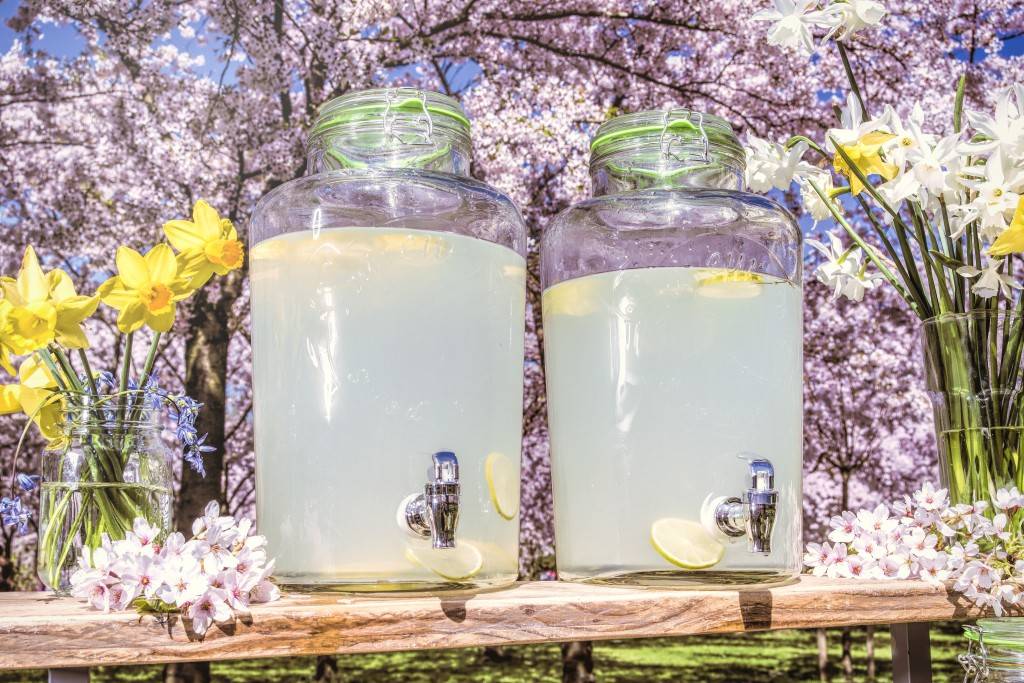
(388, 295)
(110, 468)
(973, 374)
(673, 356)
(995, 651)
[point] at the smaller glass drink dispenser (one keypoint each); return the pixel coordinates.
(388, 297)
(673, 357)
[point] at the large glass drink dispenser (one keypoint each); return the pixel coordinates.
(672, 336)
(388, 296)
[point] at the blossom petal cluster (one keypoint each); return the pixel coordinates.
(221, 569)
(976, 546)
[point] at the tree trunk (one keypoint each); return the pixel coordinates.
(822, 656)
(326, 669)
(206, 369)
(578, 662)
(847, 642)
(187, 672)
(870, 646)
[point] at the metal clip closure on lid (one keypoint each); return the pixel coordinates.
(669, 137)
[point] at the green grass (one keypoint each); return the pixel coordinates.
(777, 657)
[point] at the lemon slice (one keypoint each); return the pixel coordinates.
(503, 484)
(453, 564)
(572, 297)
(686, 543)
(721, 283)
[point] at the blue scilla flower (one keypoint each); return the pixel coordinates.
(27, 482)
(106, 379)
(12, 513)
(194, 454)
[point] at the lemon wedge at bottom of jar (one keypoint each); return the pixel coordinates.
(686, 543)
(722, 283)
(502, 484)
(462, 562)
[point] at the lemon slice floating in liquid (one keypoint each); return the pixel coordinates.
(502, 484)
(462, 562)
(722, 283)
(686, 543)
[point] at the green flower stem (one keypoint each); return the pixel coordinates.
(44, 355)
(84, 357)
(852, 80)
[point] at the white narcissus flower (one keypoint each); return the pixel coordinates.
(793, 20)
(850, 16)
(1003, 132)
(811, 200)
(842, 270)
(771, 165)
(991, 281)
(931, 164)
(997, 185)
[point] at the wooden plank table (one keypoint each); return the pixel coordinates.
(38, 630)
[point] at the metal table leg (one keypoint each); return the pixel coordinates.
(911, 653)
(68, 676)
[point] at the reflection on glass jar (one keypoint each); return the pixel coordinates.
(388, 294)
(673, 356)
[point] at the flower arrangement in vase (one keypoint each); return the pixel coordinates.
(937, 212)
(106, 464)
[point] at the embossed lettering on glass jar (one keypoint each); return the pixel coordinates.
(388, 293)
(672, 331)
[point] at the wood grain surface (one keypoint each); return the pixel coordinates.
(38, 630)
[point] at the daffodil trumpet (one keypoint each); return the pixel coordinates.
(44, 325)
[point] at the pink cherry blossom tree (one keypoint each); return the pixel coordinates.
(165, 102)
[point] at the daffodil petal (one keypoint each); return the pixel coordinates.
(132, 268)
(161, 321)
(32, 285)
(132, 317)
(35, 375)
(10, 401)
(162, 267)
(207, 219)
(60, 284)
(184, 235)
(115, 294)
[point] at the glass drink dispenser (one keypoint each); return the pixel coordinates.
(388, 297)
(673, 357)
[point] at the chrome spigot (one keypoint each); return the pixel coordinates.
(434, 514)
(753, 515)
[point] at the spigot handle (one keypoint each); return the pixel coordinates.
(445, 469)
(434, 514)
(753, 514)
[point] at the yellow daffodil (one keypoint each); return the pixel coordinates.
(72, 309)
(6, 334)
(865, 153)
(45, 307)
(207, 244)
(1011, 240)
(145, 289)
(32, 318)
(34, 396)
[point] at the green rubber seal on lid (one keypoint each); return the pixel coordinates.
(992, 639)
(674, 126)
(411, 105)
